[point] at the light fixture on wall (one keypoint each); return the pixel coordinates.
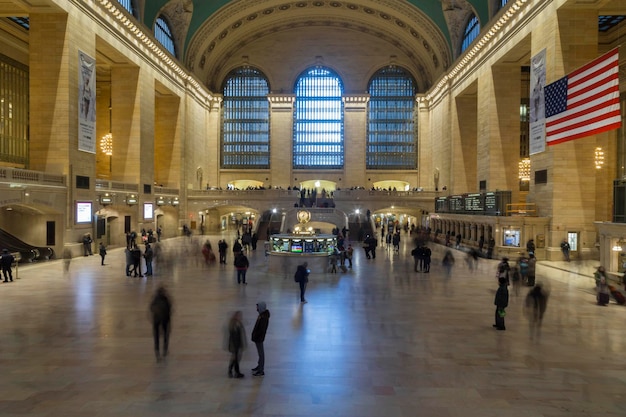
(106, 142)
(599, 157)
(524, 169)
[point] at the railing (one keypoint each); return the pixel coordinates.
(31, 177)
(521, 209)
(102, 185)
(165, 190)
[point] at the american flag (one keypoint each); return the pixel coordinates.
(585, 102)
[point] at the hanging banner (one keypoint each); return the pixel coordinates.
(537, 103)
(86, 103)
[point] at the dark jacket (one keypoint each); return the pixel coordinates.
(161, 307)
(241, 262)
(260, 327)
(301, 274)
(502, 297)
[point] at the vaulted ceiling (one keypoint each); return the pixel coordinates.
(212, 36)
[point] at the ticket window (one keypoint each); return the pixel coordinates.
(511, 237)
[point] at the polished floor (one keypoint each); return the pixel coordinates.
(378, 341)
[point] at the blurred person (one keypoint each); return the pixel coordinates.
(258, 336)
(136, 256)
(448, 262)
(103, 252)
(426, 260)
(565, 248)
(534, 308)
(161, 310)
(236, 344)
(532, 266)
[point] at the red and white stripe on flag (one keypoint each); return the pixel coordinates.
(587, 102)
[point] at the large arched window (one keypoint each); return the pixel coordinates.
(318, 120)
(163, 34)
(246, 120)
(471, 32)
(128, 5)
(391, 127)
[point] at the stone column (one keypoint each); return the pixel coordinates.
(281, 142)
(355, 139)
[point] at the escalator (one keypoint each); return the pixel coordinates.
(28, 252)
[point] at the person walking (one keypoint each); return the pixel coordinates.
(161, 310)
(534, 308)
(236, 344)
(222, 246)
(348, 253)
(241, 265)
(501, 302)
(258, 336)
(129, 260)
(427, 253)
(103, 252)
(148, 255)
(302, 278)
(6, 260)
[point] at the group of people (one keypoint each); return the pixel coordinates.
(133, 260)
(235, 339)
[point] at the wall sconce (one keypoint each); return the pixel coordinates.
(106, 144)
(160, 201)
(132, 200)
(106, 199)
(175, 201)
(599, 157)
(618, 245)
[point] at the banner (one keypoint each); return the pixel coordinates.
(585, 102)
(537, 103)
(86, 103)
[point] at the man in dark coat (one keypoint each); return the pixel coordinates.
(6, 261)
(501, 302)
(258, 337)
(302, 277)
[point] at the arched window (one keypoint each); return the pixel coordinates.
(503, 3)
(391, 127)
(471, 32)
(163, 34)
(128, 5)
(245, 120)
(318, 120)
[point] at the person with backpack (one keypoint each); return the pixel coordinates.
(241, 265)
(302, 278)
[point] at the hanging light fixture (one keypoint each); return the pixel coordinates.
(106, 143)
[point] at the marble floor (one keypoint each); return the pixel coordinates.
(378, 341)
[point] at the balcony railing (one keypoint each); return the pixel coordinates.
(24, 176)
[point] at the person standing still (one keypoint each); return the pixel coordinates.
(302, 278)
(148, 255)
(161, 310)
(565, 248)
(501, 302)
(241, 264)
(258, 336)
(6, 261)
(103, 252)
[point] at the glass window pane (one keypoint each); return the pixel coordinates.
(318, 120)
(245, 120)
(471, 32)
(163, 34)
(391, 127)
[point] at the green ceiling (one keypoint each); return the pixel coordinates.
(203, 9)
